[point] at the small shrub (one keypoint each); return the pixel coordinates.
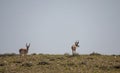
(114, 55)
(104, 67)
(2, 64)
(43, 63)
(94, 53)
(66, 54)
(17, 61)
(90, 58)
(83, 63)
(60, 58)
(29, 64)
(40, 54)
(68, 64)
(33, 54)
(116, 66)
(52, 59)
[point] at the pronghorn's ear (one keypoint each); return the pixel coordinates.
(78, 42)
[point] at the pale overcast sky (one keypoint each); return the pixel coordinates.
(52, 26)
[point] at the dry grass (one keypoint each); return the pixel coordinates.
(60, 64)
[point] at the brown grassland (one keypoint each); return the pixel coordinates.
(60, 64)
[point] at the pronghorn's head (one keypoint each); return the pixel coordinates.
(77, 43)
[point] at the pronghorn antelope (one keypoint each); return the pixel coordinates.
(24, 51)
(74, 46)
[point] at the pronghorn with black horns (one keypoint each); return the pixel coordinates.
(24, 51)
(74, 46)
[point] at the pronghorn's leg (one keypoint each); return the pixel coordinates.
(73, 52)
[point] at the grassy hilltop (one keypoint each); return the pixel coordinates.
(60, 64)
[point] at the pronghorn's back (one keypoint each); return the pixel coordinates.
(23, 51)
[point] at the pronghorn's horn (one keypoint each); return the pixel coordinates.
(29, 45)
(77, 41)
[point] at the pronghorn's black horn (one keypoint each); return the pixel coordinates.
(27, 44)
(78, 41)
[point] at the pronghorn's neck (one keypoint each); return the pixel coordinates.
(75, 46)
(27, 48)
